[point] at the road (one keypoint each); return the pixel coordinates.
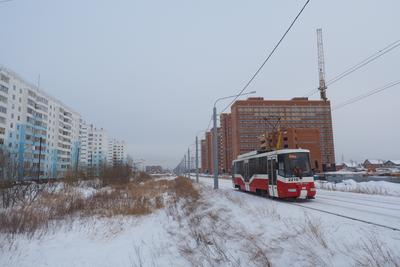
(374, 209)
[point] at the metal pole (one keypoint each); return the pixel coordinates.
(188, 156)
(215, 148)
(197, 159)
(40, 155)
(77, 163)
(184, 165)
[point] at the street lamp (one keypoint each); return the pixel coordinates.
(215, 134)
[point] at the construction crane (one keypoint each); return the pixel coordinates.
(321, 66)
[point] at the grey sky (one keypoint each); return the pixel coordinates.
(149, 71)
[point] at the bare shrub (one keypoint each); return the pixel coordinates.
(257, 250)
(142, 177)
(375, 253)
(184, 188)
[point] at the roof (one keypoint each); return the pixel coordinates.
(375, 161)
(349, 164)
(394, 161)
(256, 154)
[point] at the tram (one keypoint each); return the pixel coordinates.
(283, 173)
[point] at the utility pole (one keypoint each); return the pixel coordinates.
(197, 159)
(77, 163)
(184, 165)
(40, 155)
(188, 156)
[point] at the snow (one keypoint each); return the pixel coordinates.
(376, 161)
(227, 228)
(394, 161)
(371, 187)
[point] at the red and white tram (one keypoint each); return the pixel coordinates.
(284, 173)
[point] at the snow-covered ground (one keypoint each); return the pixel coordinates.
(224, 228)
(371, 187)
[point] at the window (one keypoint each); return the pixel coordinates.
(3, 89)
(295, 164)
(4, 78)
(3, 109)
(3, 99)
(253, 166)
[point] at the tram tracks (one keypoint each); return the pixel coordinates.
(346, 216)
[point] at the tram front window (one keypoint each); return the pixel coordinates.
(296, 164)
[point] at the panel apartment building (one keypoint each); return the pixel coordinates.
(303, 119)
(41, 136)
(36, 129)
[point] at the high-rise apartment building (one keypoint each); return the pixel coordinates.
(255, 116)
(37, 129)
(116, 152)
(226, 142)
(207, 162)
(97, 149)
(42, 137)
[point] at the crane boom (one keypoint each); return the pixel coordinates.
(321, 66)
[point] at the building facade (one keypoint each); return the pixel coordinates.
(41, 136)
(116, 154)
(226, 142)
(207, 162)
(40, 133)
(253, 117)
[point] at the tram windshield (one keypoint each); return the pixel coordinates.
(294, 164)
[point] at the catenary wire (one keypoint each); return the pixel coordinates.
(358, 66)
(268, 57)
(367, 94)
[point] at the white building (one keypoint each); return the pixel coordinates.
(97, 149)
(116, 152)
(37, 129)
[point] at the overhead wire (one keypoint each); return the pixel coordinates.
(358, 66)
(367, 94)
(265, 61)
(268, 57)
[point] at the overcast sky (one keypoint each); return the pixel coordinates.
(149, 71)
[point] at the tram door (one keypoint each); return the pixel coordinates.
(246, 174)
(273, 191)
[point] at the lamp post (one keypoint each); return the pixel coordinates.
(215, 136)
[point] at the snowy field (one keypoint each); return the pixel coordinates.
(223, 228)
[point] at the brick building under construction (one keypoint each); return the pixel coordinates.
(304, 124)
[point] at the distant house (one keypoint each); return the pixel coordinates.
(373, 163)
(351, 166)
(392, 163)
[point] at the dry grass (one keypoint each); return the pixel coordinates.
(375, 253)
(118, 198)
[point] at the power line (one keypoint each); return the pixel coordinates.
(269, 56)
(359, 65)
(367, 94)
(265, 61)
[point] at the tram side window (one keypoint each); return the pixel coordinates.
(239, 168)
(253, 167)
(263, 166)
(281, 165)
